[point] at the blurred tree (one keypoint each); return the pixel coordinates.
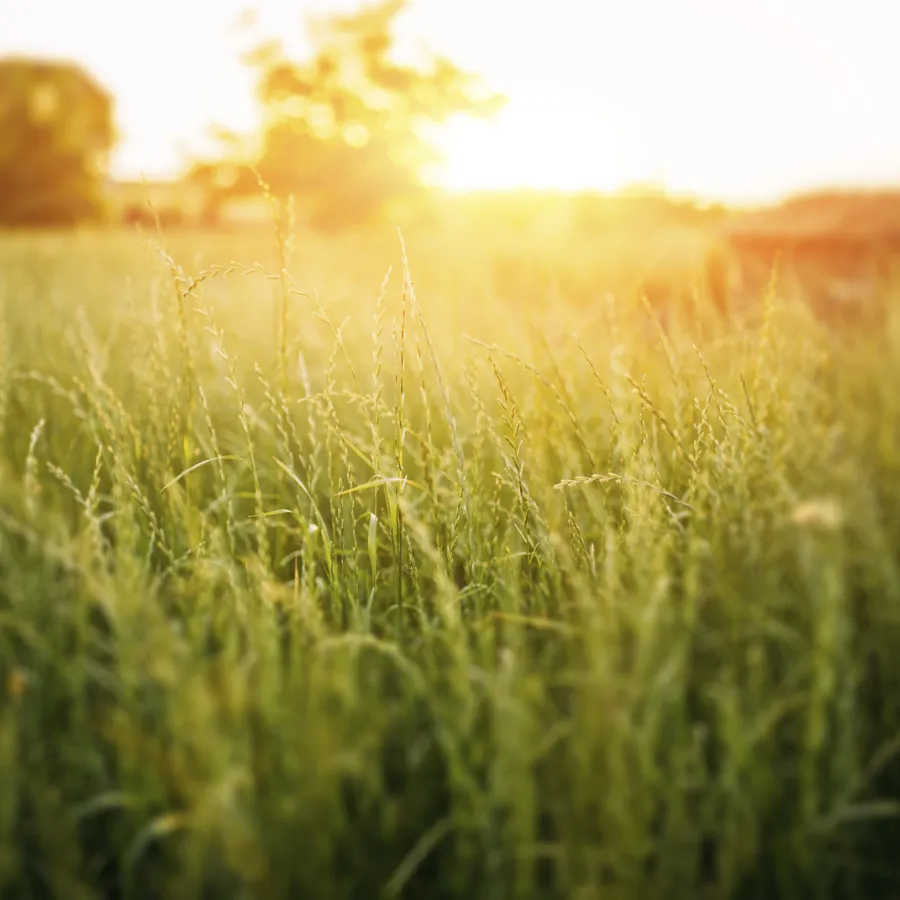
(345, 131)
(56, 131)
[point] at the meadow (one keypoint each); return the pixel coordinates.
(334, 569)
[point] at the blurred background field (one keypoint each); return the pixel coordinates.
(366, 537)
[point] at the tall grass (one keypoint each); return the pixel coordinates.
(314, 589)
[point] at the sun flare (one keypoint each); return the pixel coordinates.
(535, 143)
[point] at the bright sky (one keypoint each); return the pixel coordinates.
(733, 99)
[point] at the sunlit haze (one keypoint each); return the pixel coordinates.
(732, 100)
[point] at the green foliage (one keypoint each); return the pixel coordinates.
(56, 131)
(345, 130)
(303, 593)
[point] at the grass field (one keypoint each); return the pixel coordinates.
(486, 587)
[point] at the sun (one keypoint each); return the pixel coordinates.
(533, 143)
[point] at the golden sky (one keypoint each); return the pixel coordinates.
(729, 99)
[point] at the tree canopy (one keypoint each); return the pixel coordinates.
(56, 131)
(345, 131)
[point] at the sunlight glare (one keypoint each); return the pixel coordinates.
(535, 143)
